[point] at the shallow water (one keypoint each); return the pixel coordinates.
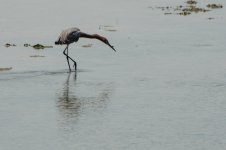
(164, 88)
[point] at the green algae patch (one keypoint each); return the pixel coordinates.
(37, 46)
(6, 69)
(40, 46)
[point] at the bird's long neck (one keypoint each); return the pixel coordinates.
(91, 36)
(98, 37)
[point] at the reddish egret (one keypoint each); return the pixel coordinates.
(71, 35)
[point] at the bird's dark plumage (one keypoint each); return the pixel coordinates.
(68, 36)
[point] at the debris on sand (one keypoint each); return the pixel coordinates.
(107, 28)
(188, 9)
(27, 45)
(184, 13)
(210, 18)
(111, 30)
(8, 45)
(168, 13)
(6, 69)
(87, 45)
(36, 46)
(36, 56)
(214, 6)
(191, 2)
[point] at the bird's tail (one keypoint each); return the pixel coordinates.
(57, 42)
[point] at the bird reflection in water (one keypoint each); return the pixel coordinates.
(93, 98)
(68, 103)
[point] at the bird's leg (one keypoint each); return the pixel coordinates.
(67, 57)
(75, 64)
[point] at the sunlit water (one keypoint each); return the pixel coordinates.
(163, 89)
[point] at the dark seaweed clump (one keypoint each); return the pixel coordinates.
(8, 45)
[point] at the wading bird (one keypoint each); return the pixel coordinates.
(71, 35)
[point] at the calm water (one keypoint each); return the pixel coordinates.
(163, 89)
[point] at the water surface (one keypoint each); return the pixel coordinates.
(163, 89)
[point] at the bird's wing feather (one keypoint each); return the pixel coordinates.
(69, 35)
(73, 36)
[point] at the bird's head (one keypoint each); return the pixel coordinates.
(103, 39)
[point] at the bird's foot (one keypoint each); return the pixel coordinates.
(75, 66)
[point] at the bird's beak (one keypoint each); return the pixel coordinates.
(110, 46)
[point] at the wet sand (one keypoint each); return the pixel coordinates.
(164, 88)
